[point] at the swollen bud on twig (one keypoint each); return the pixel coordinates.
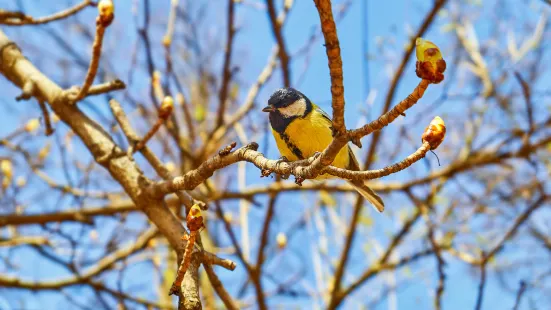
(434, 133)
(106, 11)
(166, 107)
(194, 218)
(281, 240)
(194, 223)
(430, 64)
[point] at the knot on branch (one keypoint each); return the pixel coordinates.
(227, 149)
(27, 90)
(252, 146)
(265, 173)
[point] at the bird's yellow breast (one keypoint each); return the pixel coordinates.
(309, 135)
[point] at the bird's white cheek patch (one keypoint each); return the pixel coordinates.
(297, 108)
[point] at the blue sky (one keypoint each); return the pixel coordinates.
(388, 21)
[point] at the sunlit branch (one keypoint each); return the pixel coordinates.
(333, 51)
(103, 20)
(24, 240)
(398, 75)
(375, 174)
(104, 88)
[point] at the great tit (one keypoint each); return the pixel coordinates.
(301, 129)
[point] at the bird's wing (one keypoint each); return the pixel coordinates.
(353, 162)
(325, 115)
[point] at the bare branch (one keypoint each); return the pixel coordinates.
(333, 51)
(105, 88)
(103, 21)
(226, 70)
(103, 265)
(20, 19)
(277, 24)
(429, 18)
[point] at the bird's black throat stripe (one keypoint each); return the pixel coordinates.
(291, 145)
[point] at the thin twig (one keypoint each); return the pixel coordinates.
(226, 72)
(104, 88)
(46, 115)
(527, 99)
(219, 288)
(20, 19)
(481, 287)
(167, 39)
(103, 21)
(520, 293)
(185, 263)
(277, 31)
(148, 135)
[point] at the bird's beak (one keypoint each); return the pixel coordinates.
(268, 109)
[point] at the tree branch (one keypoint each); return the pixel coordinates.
(277, 24)
(226, 71)
(20, 19)
(399, 73)
(334, 59)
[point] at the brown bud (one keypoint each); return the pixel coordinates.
(434, 133)
(194, 218)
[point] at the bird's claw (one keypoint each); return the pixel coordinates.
(265, 173)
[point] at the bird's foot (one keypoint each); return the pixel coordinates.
(265, 173)
(299, 180)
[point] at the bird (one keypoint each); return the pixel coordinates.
(301, 129)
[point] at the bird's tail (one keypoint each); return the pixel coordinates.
(369, 194)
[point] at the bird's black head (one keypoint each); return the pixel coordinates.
(284, 97)
(285, 105)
